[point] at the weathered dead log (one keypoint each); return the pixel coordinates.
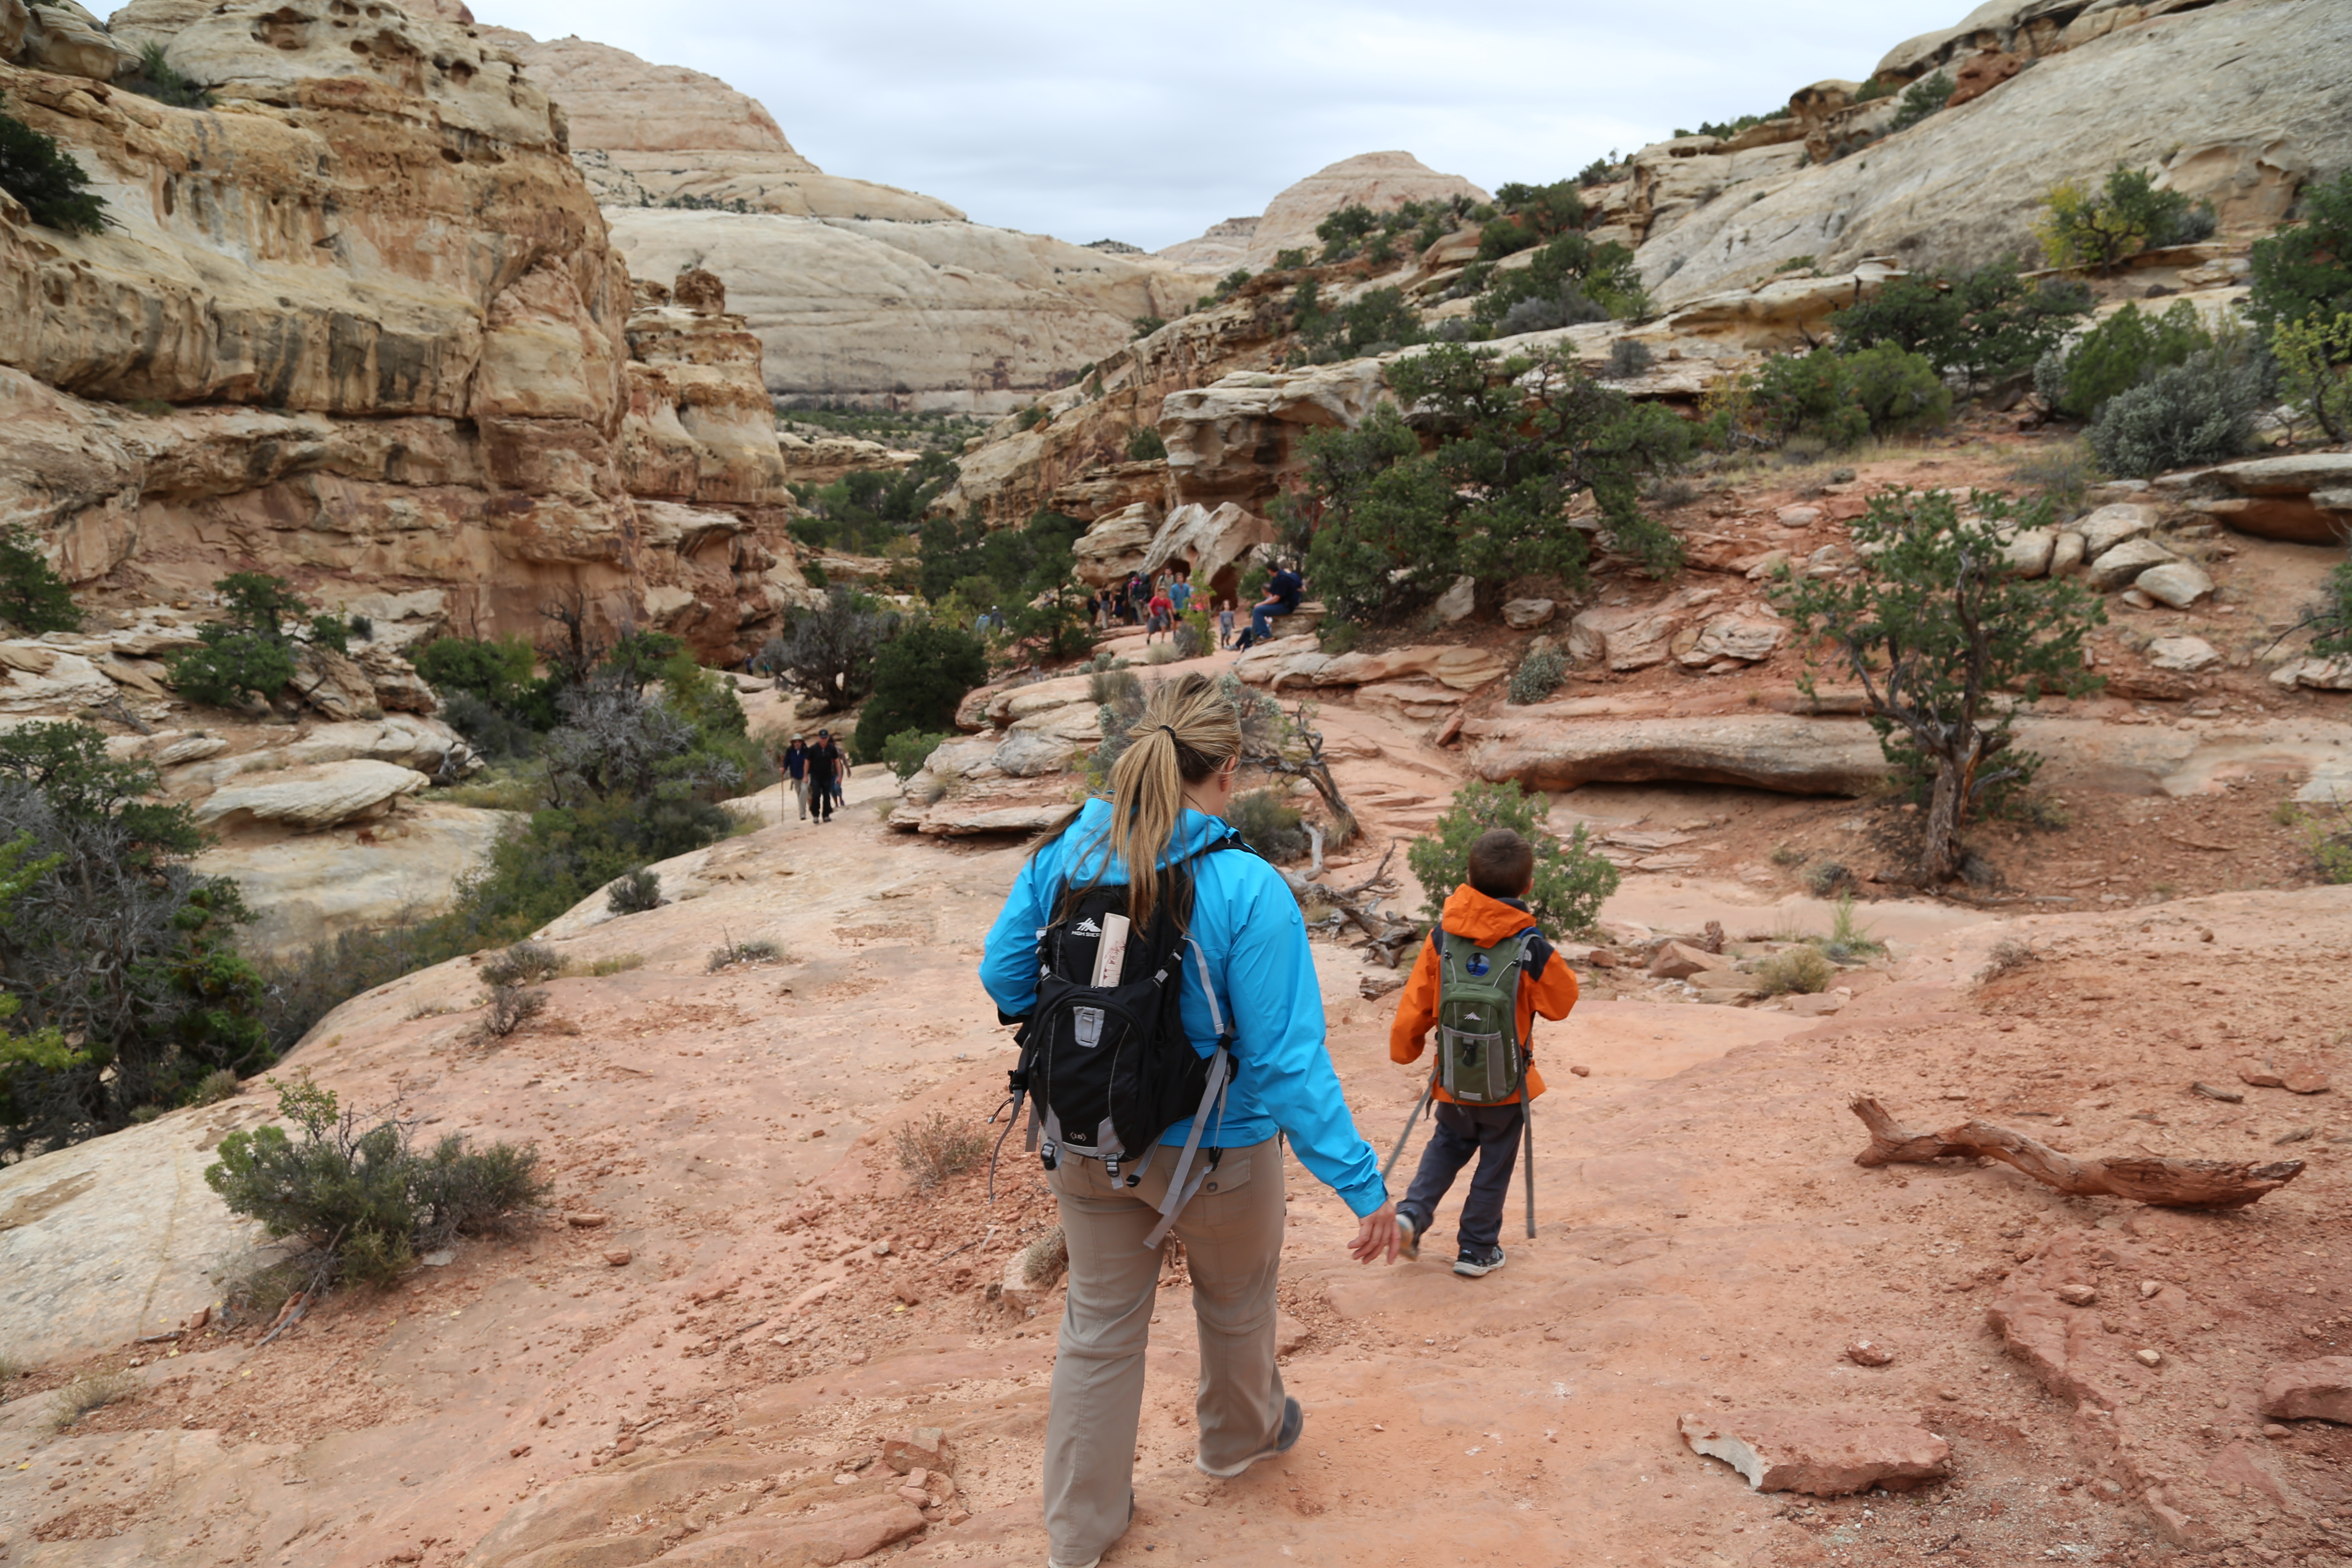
(2148, 1179)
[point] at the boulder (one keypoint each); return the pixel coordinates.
(1526, 615)
(2066, 554)
(1623, 638)
(1680, 961)
(2179, 583)
(1822, 1453)
(61, 36)
(1796, 756)
(43, 679)
(427, 745)
(1115, 546)
(1456, 602)
(1462, 668)
(1015, 703)
(2183, 655)
(1030, 753)
(2296, 519)
(2027, 552)
(1208, 541)
(2109, 526)
(1748, 638)
(2317, 1390)
(326, 794)
(2316, 674)
(1381, 181)
(1413, 701)
(2299, 475)
(2123, 564)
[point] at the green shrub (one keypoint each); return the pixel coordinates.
(749, 949)
(1898, 393)
(506, 1008)
(158, 78)
(1803, 969)
(251, 654)
(1289, 260)
(2120, 352)
(1628, 357)
(1373, 322)
(1531, 214)
(1837, 399)
(907, 750)
(33, 598)
(489, 686)
(1269, 824)
(1826, 877)
(1538, 675)
(1849, 940)
(635, 893)
(2330, 620)
(360, 1199)
(2098, 230)
(2303, 273)
(1336, 635)
(2315, 361)
(524, 963)
(870, 510)
(215, 1087)
(1795, 264)
(1144, 445)
(1922, 98)
(2201, 411)
(1144, 326)
(54, 188)
(1571, 880)
(1570, 279)
(1394, 526)
(932, 1149)
(919, 677)
(2061, 474)
(1987, 325)
(2327, 831)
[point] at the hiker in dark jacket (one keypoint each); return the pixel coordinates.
(825, 767)
(793, 764)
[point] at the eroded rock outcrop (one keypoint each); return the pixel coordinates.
(1381, 181)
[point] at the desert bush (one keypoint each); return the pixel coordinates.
(1538, 675)
(1269, 824)
(215, 1087)
(829, 651)
(1802, 970)
(157, 78)
(934, 1149)
(507, 1008)
(2201, 411)
(1581, 281)
(614, 963)
(1628, 357)
(1571, 880)
(93, 1391)
(2302, 272)
(524, 963)
(118, 958)
(1336, 635)
(2008, 955)
(358, 1197)
(635, 893)
(1837, 399)
(1144, 445)
(1396, 525)
(1931, 627)
(2098, 230)
(54, 188)
(1827, 877)
(919, 677)
(33, 598)
(1373, 322)
(748, 950)
(1162, 652)
(1788, 856)
(1849, 939)
(1922, 98)
(1570, 306)
(1986, 325)
(251, 654)
(2315, 361)
(907, 750)
(2120, 352)
(493, 696)
(2061, 474)
(1196, 635)
(1898, 393)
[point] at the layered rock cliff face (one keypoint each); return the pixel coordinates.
(362, 325)
(858, 292)
(1381, 181)
(2237, 103)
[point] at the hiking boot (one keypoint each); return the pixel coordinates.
(1410, 1229)
(1095, 1561)
(1476, 1261)
(1294, 1421)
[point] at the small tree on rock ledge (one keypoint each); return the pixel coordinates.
(1933, 626)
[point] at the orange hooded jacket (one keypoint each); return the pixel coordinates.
(1547, 985)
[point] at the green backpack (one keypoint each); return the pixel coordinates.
(1480, 1053)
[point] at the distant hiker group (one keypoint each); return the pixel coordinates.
(814, 771)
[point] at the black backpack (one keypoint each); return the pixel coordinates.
(1108, 1070)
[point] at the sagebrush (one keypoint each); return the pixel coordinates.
(1571, 880)
(932, 1149)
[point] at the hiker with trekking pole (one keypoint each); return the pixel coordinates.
(1171, 1029)
(1482, 976)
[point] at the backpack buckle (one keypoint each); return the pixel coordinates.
(1049, 1154)
(1110, 1166)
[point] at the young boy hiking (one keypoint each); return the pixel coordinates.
(1482, 977)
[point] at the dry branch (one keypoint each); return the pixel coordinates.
(1359, 905)
(2152, 1180)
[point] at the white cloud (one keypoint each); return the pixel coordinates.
(1149, 124)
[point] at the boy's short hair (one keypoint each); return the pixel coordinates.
(1502, 864)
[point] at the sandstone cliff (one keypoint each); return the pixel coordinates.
(1382, 181)
(362, 325)
(2237, 102)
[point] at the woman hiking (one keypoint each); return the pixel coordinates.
(1246, 943)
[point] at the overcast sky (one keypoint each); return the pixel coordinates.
(1147, 124)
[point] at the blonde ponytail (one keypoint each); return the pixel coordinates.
(1188, 730)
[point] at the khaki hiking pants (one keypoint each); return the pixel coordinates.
(1232, 1232)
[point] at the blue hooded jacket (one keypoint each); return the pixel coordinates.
(1254, 941)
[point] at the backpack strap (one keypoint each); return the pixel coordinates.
(1213, 1099)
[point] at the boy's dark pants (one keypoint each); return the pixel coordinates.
(1491, 1132)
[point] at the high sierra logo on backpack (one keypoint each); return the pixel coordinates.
(1480, 1054)
(1104, 1063)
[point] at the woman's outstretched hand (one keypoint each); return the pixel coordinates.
(1377, 1236)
